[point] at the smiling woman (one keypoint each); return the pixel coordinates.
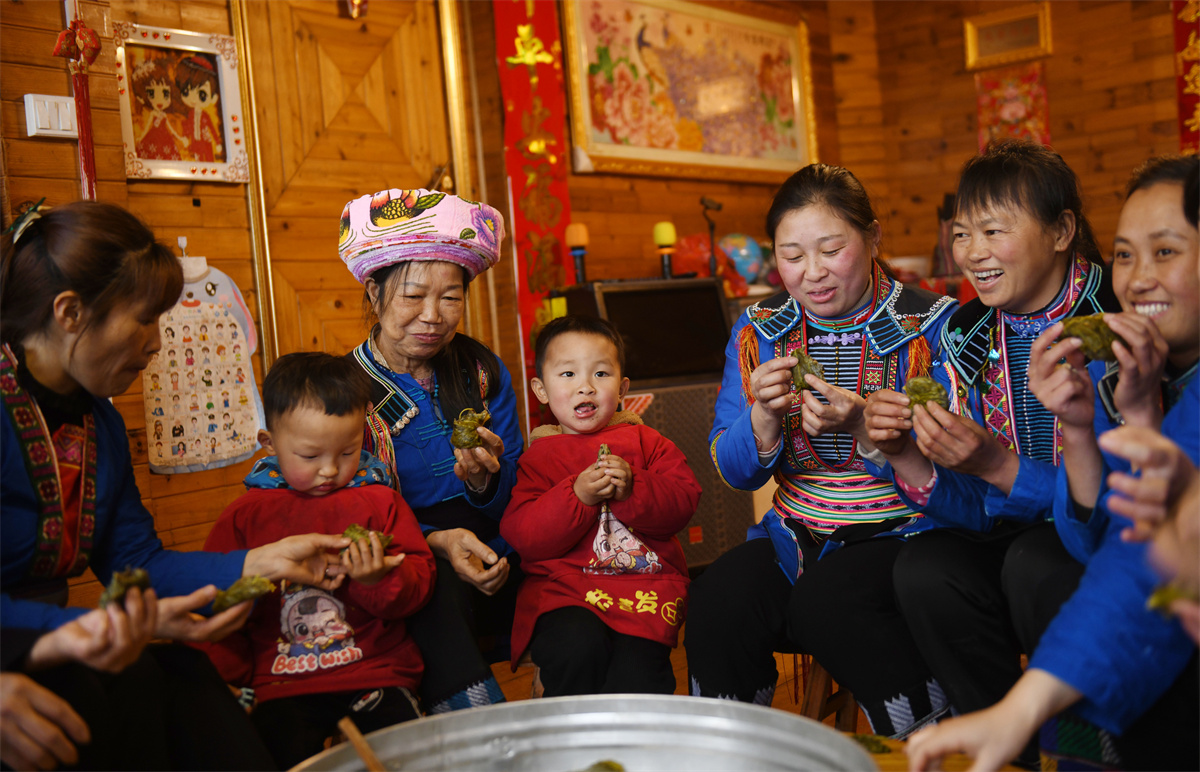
(867, 332)
(416, 252)
(984, 470)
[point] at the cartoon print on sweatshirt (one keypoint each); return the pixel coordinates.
(618, 551)
(315, 632)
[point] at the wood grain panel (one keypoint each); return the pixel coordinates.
(346, 108)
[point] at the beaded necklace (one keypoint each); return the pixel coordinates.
(838, 332)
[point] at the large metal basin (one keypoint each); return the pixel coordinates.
(642, 733)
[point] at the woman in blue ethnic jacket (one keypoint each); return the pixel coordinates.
(416, 252)
(985, 469)
(1121, 678)
(868, 332)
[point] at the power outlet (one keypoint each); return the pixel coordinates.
(50, 116)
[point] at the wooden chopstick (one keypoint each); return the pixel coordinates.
(360, 745)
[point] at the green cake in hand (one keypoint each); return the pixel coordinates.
(356, 532)
(244, 589)
(805, 366)
(1096, 335)
(121, 582)
(921, 390)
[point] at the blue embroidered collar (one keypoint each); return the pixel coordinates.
(266, 474)
(901, 314)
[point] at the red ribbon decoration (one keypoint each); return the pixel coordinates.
(80, 45)
(531, 79)
(1187, 73)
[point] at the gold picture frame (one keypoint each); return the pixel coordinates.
(1005, 37)
(679, 89)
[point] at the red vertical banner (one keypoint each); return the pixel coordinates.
(531, 80)
(1187, 73)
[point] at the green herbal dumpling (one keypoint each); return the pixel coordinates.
(1162, 598)
(244, 589)
(1096, 335)
(922, 389)
(805, 366)
(355, 532)
(466, 429)
(121, 581)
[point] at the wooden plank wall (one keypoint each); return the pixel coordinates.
(906, 103)
(620, 211)
(212, 216)
(858, 98)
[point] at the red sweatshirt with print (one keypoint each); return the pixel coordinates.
(628, 567)
(305, 640)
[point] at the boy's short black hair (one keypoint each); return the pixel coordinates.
(588, 325)
(335, 383)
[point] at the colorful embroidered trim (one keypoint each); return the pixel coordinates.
(825, 501)
(42, 465)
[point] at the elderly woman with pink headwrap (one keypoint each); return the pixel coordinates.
(416, 252)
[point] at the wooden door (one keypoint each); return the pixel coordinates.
(345, 108)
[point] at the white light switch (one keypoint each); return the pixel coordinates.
(50, 116)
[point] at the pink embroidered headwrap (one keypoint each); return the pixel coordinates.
(396, 226)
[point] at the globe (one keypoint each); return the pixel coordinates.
(746, 254)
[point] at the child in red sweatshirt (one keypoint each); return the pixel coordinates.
(313, 656)
(594, 513)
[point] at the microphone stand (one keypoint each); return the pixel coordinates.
(712, 244)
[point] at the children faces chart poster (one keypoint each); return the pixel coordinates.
(203, 410)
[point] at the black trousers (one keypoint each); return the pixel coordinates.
(975, 603)
(737, 619)
(168, 710)
(1164, 737)
(841, 610)
(448, 630)
(579, 654)
(295, 728)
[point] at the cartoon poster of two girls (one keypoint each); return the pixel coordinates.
(175, 104)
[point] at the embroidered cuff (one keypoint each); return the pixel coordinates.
(919, 495)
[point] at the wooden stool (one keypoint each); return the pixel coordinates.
(535, 689)
(820, 700)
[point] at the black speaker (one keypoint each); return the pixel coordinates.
(684, 415)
